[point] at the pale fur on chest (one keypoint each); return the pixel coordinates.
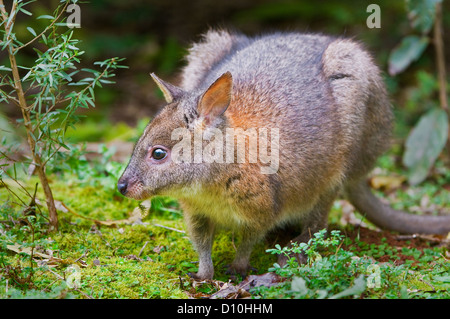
(196, 199)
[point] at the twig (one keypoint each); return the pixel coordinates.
(169, 228)
(45, 30)
(5, 15)
(74, 288)
(3, 11)
(440, 58)
(142, 249)
(82, 256)
(3, 184)
(427, 283)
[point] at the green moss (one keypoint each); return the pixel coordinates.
(148, 261)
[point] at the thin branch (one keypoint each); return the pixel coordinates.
(52, 154)
(142, 249)
(3, 11)
(3, 184)
(14, 179)
(82, 91)
(440, 58)
(12, 98)
(5, 15)
(169, 228)
(45, 30)
(75, 288)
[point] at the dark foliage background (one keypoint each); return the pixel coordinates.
(153, 37)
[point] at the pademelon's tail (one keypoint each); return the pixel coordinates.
(362, 198)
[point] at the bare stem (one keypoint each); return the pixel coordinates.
(440, 58)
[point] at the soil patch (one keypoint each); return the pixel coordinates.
(396, 241)
(371, 237)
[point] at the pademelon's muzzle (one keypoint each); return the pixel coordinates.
(131, 187)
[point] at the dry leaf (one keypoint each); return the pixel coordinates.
(27, 250)
(348, 215)
(230, 291)
(157, 249)
(267, 280)
(387, 182)
(133, 257)
(40, 258)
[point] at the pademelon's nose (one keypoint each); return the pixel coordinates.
(122, 187)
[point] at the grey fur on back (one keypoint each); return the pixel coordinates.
(316, 82)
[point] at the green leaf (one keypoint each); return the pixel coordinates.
(26, 11)
(421, 14)
(46, 16)
(50, 78)
(31, 31)
(425, 143)
(359, 285)
(408, 51)
(4, 68)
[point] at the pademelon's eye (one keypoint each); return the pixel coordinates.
(159, 154)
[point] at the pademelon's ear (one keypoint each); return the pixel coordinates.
(171, 92)
(216, 99)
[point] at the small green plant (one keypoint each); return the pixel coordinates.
(310, 249)
(49, 91)
(333, 272)
(329, 272)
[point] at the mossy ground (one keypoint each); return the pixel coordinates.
(145, 260)
(121, 261)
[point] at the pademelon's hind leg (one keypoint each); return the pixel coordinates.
(363, 108)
